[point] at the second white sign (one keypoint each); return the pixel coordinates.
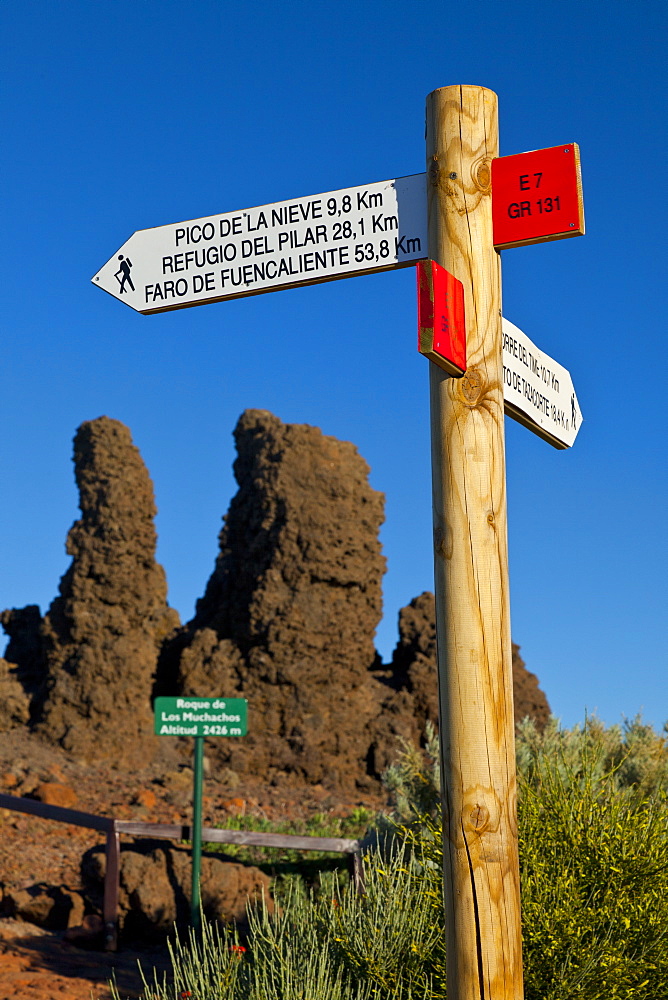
(537, 391)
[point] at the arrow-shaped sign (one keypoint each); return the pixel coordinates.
(357, 230)
(537, 391)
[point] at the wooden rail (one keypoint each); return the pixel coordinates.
(113, 828)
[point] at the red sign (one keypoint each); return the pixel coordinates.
(441, 326)
(537, 196)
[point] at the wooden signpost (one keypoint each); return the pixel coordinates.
(453, 220)
(482, 895)
(482, 901)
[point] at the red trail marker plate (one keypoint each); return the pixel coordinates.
(441, 323)
(537, 196)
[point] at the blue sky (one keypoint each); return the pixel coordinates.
(118, 116)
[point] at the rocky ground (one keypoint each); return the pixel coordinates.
(42, 963)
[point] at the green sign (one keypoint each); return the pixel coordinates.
(190, 716)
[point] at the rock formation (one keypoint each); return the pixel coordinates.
(414, 657)
(412, 674)
(289, 613)
(23, 670)
(414, 664)
(287, 619)
(14, 702)
(103, 632)
(529, 699)
(154, 888)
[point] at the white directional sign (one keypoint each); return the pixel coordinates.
(537, 391)
(299, 242)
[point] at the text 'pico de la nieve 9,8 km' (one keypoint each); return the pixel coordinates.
(367, 228)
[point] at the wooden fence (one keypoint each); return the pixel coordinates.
(113, 828)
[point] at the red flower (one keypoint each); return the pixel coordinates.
(237, 949)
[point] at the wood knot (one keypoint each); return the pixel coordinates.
(469, 387)
(482, 175)
(479, 818)
(433, 170)
(443, 543)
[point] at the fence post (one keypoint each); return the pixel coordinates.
(356, 866)
(111, 876)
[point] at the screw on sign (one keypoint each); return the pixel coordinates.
(537, 196)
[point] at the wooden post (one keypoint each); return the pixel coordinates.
(111, 875)
(471, 566)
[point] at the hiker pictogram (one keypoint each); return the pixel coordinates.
(124, 269)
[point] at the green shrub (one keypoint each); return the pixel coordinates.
(331, 945)
(593, 828)
(204, 966)
(634, 755)
(593, 840)
(355, 946)
(594, 877)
